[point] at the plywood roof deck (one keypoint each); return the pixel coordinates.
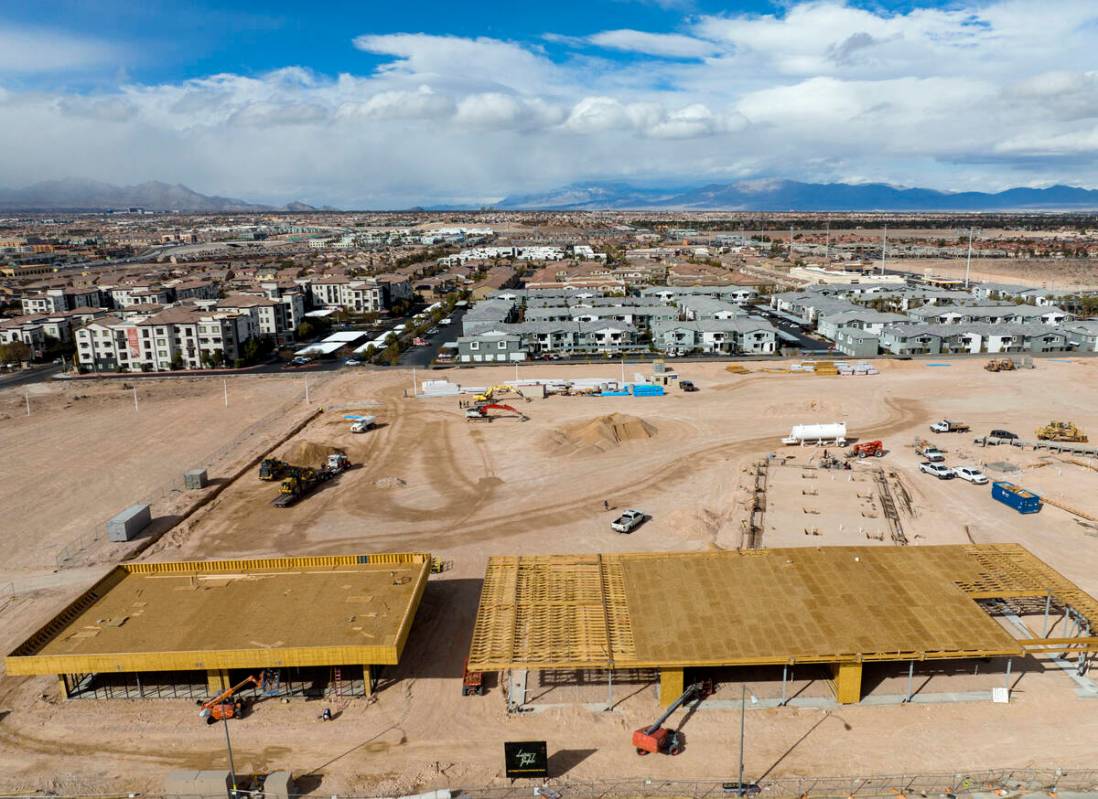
(334, 610)
(760, 607)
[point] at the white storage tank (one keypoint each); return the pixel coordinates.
(831, 433)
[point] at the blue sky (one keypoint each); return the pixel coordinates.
(372, 104)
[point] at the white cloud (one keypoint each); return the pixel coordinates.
(970, 96)
(26, 51)
(672, 45)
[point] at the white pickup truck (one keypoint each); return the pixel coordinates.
(629, 521)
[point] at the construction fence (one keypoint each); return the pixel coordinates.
(1001, 782)
(1010, 781)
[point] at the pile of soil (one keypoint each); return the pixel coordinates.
(310, 453)
(602, 433)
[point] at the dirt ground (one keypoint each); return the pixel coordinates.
(1051, 273)
(428, 480)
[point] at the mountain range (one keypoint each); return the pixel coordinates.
(791, 195)
(78, 194)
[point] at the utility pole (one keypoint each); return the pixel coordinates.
(968, 262)
(884, 247)
(827, 245)
(136, 409)
(413, 382)
(27, 397)
(306, 389)
(225, 384)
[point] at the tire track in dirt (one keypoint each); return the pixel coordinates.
(902, 413)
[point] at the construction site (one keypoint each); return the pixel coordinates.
(790, 558)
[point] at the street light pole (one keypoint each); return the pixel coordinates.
(743, 714)
(229, 750)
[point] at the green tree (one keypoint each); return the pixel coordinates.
(16, 352)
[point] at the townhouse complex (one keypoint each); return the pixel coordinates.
(867, 317)
(517, 324)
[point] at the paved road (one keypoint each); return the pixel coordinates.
(29, 376)
(784, 325)
(421, 357)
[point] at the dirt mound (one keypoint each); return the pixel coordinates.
(602, 433)
(310, 453)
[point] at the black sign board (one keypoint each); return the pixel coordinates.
(526, 759)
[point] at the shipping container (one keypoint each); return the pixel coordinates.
(1016, 497)
(127, 524)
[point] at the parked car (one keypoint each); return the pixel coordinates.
(932, 454)
(352, 362)
(446, 322)
(971, 474)
(629, 521)
(939, 470)
(687, 385)
(1004, 434)
(300, 360)
(432, 331)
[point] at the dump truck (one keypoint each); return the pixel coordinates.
(1061, 431)
(949, 426)
(360, 423)
(808, 434)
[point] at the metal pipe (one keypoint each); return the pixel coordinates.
(910, 678)
(785, 672)
(1048, 607)
(1010, 662)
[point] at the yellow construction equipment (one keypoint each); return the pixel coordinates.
(1000, 365)
(1061, 431)
(492, 392)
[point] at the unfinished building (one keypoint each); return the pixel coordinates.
(324, 624)
(841, 607)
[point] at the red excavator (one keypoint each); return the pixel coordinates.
(657, 738)
(227, 705)
(480, 413)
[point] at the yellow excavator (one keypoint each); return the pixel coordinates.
(492, 393)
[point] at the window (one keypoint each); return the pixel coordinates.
(474, 345)
(501, 345)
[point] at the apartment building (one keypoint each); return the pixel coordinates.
(277, 318)
(185, 336)
(60, 299)
(739, 336)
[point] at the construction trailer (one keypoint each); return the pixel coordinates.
(317, 625)
(840, 607)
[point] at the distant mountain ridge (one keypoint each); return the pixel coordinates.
(791, 195)
(78, 194)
